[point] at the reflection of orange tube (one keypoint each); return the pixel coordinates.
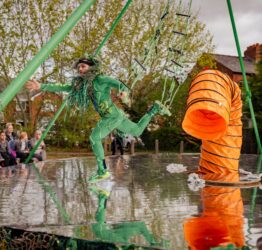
(214, 110)
(221, 222)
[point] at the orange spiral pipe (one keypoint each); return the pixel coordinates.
(214, 111)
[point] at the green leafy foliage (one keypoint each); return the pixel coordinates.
(72, 130)
(26, 25)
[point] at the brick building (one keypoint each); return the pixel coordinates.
(230, 64)
(37, 108)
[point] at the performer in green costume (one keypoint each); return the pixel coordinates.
(91, 85)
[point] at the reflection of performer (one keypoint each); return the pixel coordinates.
(221, 222)
(91, 85)
(121, 232)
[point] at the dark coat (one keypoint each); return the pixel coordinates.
(13, 136)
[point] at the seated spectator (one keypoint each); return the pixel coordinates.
(22, 147)
(6, 158)
(40, 153)
(11, 148)
(9, 132)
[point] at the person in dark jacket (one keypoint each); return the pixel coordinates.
(9, 132)
(117, 141)
(6, 158)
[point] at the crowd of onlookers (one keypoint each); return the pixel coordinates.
(15, 147)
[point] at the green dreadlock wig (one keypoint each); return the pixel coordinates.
(81, 92)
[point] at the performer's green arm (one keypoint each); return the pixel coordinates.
(56, 87)
(113, 83)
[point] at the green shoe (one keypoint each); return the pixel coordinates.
(159, 108)
(99, 176)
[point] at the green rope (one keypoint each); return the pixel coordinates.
(164, 89)
(169, 55)
(65, 101)
(183, 45)
(171, 93)
(242, 66)
(151, 51)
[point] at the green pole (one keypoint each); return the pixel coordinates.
(59, 111)
(64, 102)
(112, 27)
(52, 194)
(254, 196)
(244, 77)
(14, 87)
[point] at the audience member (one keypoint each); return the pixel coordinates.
(22, 147)
(9, 132)
(40, 153)
(117, 141)
(6, 157)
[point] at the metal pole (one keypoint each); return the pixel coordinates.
(14, 87)
(248, 92)
(132, 147)
(181, 148)
(156, 146)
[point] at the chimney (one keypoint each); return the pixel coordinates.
(254, 52)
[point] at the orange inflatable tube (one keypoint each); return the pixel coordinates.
(214, 110)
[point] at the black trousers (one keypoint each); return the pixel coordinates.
(9, 160)
(117, 142)
(22, 156)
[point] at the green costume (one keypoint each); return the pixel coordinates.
(96, 88)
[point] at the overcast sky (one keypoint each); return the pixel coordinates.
(248, 19)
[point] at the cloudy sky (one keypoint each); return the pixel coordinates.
(248, 19)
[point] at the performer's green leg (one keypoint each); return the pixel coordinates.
(136, 129)
(103, 128)
(117, 119)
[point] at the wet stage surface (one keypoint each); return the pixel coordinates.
(142, 203)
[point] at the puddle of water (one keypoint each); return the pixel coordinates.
(142, 203)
